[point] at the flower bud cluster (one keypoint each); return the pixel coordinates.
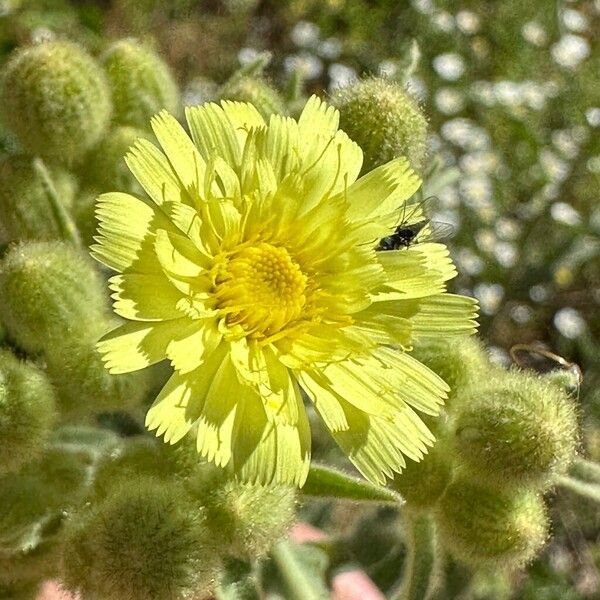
(503, 438)
(161, 525)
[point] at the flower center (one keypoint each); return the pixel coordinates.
(262, 288)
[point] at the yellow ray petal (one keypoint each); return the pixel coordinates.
(418, 271)
(267, 449)
(152, 169)
(184, 157)
(138, 344)
(187, 353)
(126, 231)
(382, 191)
(180, 403)
(214, 134)
(436, 317)
(145, 297)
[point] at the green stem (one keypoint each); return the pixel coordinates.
(421, 564)
(299, 583)
(582, 488)
(586, 469)
(65, 223)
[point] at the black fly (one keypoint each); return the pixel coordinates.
(411, 226)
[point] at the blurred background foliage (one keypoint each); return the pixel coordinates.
(511, 92)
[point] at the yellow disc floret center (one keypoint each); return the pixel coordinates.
(262, 288)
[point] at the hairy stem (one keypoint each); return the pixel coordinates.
(582, 488)
(419, 571)
(65, 223)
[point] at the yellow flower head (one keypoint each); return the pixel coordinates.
(253, 268)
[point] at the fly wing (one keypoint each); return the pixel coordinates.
(434, 231)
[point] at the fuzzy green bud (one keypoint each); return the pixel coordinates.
(140, 456)
(246, 519)
(146, 540)
(27, 412)
(516, 429)
(384, 120)
(25, 210)
(141, 83)
(257, 91)
(105, 166)
(30, 516)
(83, 384)
(422, 483)
(55, 99)
(458, 362)
(51, 293)
(483, 526)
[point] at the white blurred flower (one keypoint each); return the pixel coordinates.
(444, 21)
(467, 21)
(570, 50)
(574, 20)
(388, 68)
(424, 6)
(310, 66)
(593, 116)
(468, 262)
(507, 93)
(506, 254)
(593, 164)
(521, 314)
(305, 34)
(464, 133)
(416, 86)
(486, 240)
(507, 229)
(341, 76)
(564, 213)
(490, 297)
(330, 48)
(555, 168)
(569, 323)
(247, 55)
(476, 191)
(539, 292)
(449, 101)
(449, 66)
(534, 33)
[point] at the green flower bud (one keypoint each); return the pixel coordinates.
(140, 456)
(55, 99)
(257, 91)
(384, 120)
(63, 472)
(422, 483)
(481, 526)
(51, 293)
(30, 516)
(146, 540)
(246, 519)
(25, 210)
(83, 384)
(105, 166)
(516, 429)
(27, 412)
(141, 83)
(458, 362)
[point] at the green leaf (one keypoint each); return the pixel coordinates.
(302, 571)
(326, 482)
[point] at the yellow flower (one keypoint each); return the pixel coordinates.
(253, 268)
